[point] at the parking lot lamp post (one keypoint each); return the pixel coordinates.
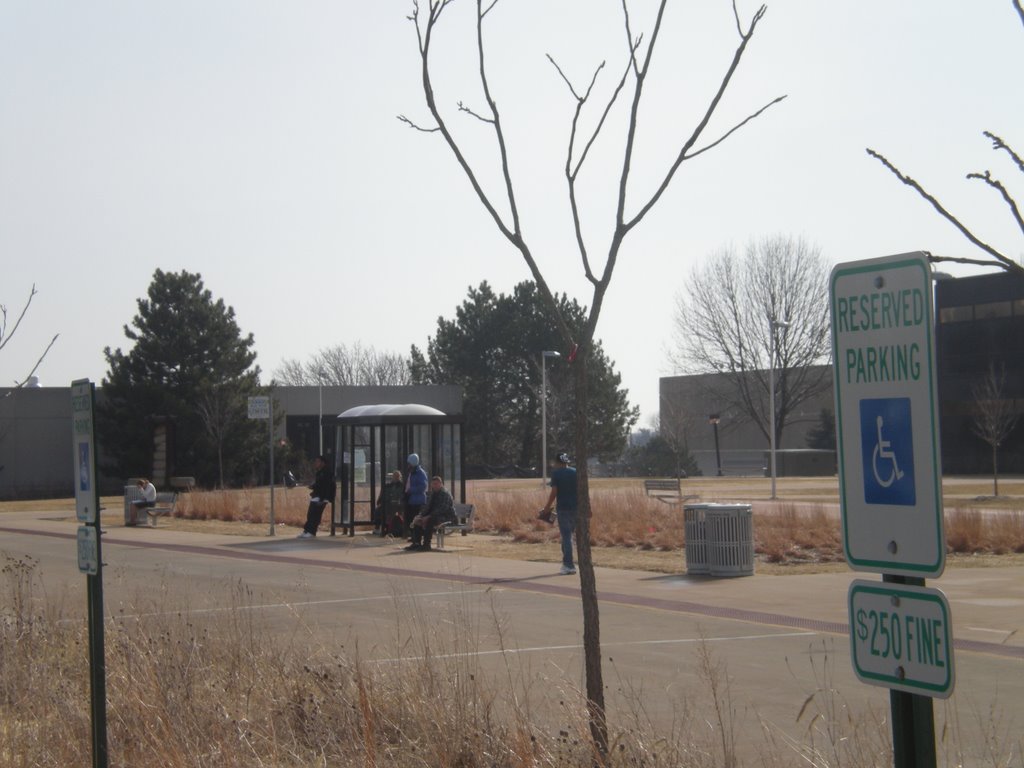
(713, 420)
(775, 325)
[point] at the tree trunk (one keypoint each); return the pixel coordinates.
(588, 582)
(995, 472)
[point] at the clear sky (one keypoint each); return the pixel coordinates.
(256, 142)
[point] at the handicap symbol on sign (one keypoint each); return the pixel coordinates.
(887, 449)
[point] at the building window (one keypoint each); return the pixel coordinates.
(956, 314)
(992, 310)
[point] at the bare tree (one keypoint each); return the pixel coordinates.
(592, 116)
(343, 365)
(994, 415)
(729, 321)
(995, 258)
(7, 334)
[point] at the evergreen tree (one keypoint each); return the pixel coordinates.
(823, 435)
(492, 348)
(189, 364)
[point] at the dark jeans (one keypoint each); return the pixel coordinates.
(423, 535)
(411, 510)
(566, 527)
(313, 516)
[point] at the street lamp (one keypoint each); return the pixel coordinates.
(774, 325)
(544, 413)
(713, 420)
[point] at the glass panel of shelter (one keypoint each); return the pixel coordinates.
(368, 454)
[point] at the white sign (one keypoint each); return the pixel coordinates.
(88, 552)
(890, 478)
(259, 407)
(84, 445)
(901, 638)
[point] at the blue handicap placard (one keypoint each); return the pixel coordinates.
(887, 450)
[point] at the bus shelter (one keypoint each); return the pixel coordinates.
(375, 440)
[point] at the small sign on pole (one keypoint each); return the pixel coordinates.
(84, 444)
(88, 552)
(901, 637)
(259, 407)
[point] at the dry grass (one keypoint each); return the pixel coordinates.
(193, 689)
(631, 530)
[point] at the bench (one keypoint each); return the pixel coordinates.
(668, 491)
(165, 502)
(463, 523)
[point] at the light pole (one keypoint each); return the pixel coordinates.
(774, 325)
(713, 420)
(544, 414)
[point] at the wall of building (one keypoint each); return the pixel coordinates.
(979, 323)
(36, 459)
(35, 442)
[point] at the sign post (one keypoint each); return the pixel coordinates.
(262, 407)
(890, 488)
(83, 441)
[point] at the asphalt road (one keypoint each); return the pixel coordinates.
(778, 639)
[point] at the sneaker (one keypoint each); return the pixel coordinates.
(305, 535)
(567, 570)
(425, 548)
(413, 548)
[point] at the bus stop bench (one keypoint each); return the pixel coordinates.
(165, 502)
(463, 523)
(668, 491)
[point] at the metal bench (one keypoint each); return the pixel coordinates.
(668, 491)
(165, 502)
(463, 523)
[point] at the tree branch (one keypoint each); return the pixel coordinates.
(998, 143)
(1007, 263)
(745, 38)
(998, 186)
(416, 126)
(4, 335)
(735, 128)
(38, 363)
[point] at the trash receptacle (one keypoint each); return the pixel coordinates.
(730, 535)
(131, 493)
(696, 539)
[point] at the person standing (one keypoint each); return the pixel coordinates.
(563, 498)
(320, 495)
(439, 510)
(415, 489)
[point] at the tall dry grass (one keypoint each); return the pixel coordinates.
(193, 688)
(623, 516)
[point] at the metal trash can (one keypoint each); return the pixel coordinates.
(696, 539)
(131, 493)
(730, 536)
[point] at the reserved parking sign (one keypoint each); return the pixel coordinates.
(886, 415)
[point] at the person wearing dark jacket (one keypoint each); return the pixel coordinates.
(440, 509)
(320, 495)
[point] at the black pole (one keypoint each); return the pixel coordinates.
(913, 720)
(718, 455)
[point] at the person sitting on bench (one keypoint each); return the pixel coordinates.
(148, 496)
(440, 509)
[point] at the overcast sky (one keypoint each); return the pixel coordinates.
(256, 142)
